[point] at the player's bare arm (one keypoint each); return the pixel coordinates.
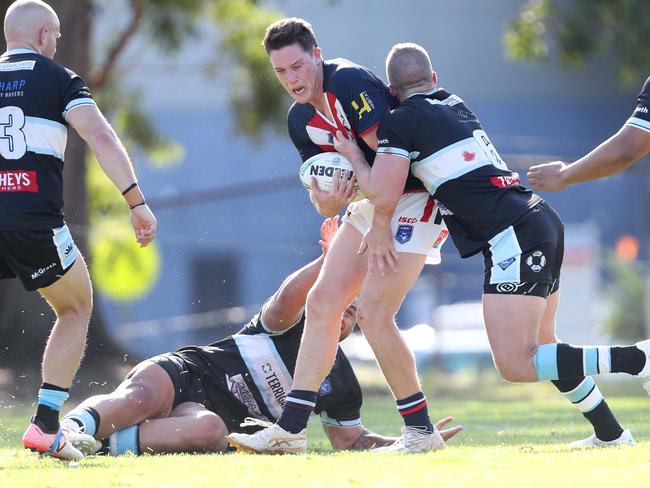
(614, 155)
(91, 125)
(286, 305)
(358, 438)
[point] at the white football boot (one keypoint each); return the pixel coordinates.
(273, 439)
(79, 439)
(644, 374)
(415, 439)
(625, 439)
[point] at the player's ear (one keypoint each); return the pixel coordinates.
(318, 54)
(393, 91)
(434, 78)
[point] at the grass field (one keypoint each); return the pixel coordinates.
(520, 443)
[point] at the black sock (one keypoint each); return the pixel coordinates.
(584, 394)
(414, 411)
(297, 409)
(627, 359)
(47, 419)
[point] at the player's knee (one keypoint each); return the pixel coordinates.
(319, 305)
(142, 397)
(210, 432)
(513, 372)
(77, 306)
(372, 314)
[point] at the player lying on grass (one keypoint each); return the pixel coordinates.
(189, 400)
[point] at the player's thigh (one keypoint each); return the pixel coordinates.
(71, 292)
(547, 327)
(512, 323)
(150, 387)
(384, 293)
(202, 422)
(341, 277)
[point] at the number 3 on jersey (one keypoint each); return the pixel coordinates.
(489, 149)
(12, 138)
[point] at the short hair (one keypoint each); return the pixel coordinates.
(408, 65)
(289, 31)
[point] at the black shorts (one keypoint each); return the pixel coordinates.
(525, 259)
(192, 385)
(37, 257)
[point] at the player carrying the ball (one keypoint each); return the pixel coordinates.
(338, 95)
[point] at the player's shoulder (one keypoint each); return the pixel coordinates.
(342, 73)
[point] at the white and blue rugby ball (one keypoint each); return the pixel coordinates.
(322, 167)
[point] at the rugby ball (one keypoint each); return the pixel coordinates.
(322, 166)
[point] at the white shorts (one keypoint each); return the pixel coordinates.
(413, 224)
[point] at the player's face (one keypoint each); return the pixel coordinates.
(348, 320)
(299, 71)
(49, 36)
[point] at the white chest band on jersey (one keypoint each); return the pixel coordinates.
(267, 369)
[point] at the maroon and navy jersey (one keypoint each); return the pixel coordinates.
(640, 118)
(451, 154)
(256, 366)
(36, 93)
(357, 99)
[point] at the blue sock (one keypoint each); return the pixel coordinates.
(414, 411)
(124, 441)
(297, 409)
(50, 400)
(86, 417)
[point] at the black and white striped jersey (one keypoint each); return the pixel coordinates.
(36, 93)
(640, 118)
(451, 154)
(256, 367)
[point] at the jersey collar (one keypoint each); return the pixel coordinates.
(430, 92)
(20, 50)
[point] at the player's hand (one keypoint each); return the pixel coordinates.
(330, 203)
(447, 434)
(378, 243)
(346, 146)
(144, 224)
(327, 230)
(548, 177)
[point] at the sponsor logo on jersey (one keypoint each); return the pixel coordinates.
(383, 141)
(536, 261)
(41, 271)
(505, 264)
(18, 181)
(18, 66)
(407, 220)
(442, 237)
(238, 387)
(274, 384)
(643, 110)
(404, 233)
(325, 387)
(365, 106)
(505, 181)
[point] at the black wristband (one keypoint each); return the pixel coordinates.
(129, 188)
(138, 204)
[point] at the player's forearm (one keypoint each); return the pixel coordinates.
(361, 172)
(115, 163)
(611, 157)
(370, 440)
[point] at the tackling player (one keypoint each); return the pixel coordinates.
(188, 400)
(333, 95)
(619, 152)
(39, 100)
(435, 135)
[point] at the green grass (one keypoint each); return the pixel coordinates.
(513, 443)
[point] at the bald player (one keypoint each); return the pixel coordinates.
(39, 100)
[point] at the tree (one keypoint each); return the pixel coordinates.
(25, 319)
(581, 29)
